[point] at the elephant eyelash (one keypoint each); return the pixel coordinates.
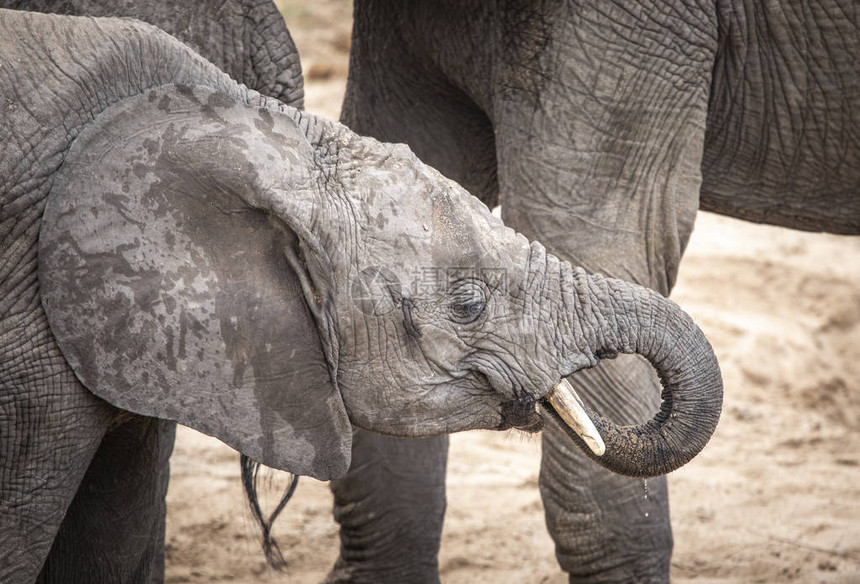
(468, 312)
(469, 299)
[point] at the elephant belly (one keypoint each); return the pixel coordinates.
(783, 135)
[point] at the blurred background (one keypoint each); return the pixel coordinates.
(774, 497)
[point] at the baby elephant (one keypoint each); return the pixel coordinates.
(176, 247)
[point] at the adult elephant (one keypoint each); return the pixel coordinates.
(600, 127)
(131, 168)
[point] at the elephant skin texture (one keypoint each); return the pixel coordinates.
(179, 248)
(600, 128)
(247, 39)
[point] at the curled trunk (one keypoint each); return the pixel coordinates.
(619, 317)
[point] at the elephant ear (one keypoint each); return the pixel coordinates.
(173, 293)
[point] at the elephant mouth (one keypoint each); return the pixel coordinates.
(563, 403)
(520, 411)
(521, 415)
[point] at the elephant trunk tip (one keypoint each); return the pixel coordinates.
(631, 319)
(671, 439)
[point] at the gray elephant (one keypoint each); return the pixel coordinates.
(249, 40)
(600, 127)
(177, 247)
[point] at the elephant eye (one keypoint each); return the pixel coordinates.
(467, 300)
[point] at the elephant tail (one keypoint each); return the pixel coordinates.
(250, 473)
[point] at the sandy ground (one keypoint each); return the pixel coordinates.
(775, 497)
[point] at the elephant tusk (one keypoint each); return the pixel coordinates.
(570, 408)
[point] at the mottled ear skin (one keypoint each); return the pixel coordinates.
(171, 295)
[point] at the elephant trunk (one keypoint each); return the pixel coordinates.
(614, 317)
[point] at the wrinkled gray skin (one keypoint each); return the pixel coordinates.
(247, 39)
(177, 247)
(600, 126)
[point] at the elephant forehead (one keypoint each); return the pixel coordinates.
(412, 215)
(455, 231)
(466, 234)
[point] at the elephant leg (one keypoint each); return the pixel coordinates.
(607, 528)
(114, 529)
(50, 428)
(600, 151)
(390, 508)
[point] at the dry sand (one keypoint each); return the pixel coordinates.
(775, 496)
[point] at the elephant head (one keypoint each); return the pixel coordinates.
(210, 256)
(268, 277)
